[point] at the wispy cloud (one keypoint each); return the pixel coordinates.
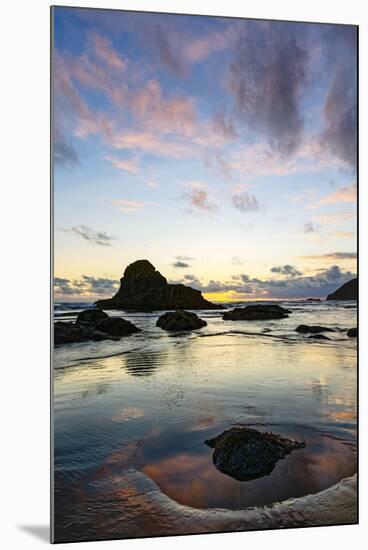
(344, 194)
(96, 237)
(104, 51)
(65, 154)
(294, 286)
(127, 165)
(334, 256)
(245, 202)
(335, 218)
(267, 77)
(87, 286)
(131, 207)
(180, 264)
(310, 227)
(287, 270)
(340, 114)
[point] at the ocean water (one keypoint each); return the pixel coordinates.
(147, 403)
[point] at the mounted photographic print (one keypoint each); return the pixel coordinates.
(204, 365)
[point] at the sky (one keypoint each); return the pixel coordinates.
(221, 150)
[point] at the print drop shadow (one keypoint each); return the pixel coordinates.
(41, 532)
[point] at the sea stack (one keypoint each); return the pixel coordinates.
(143, 288)
(348, 291)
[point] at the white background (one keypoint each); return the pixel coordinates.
(24, 272)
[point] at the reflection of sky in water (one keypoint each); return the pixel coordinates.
(175, 391)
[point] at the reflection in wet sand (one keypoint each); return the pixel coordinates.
(173, 393)
(127, 503)
(183, 469)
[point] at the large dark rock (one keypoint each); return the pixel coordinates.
(348, 291)
(312, 329)
(180, 320)
(91, 317)
(69, 333)
(352, 332)
(244, 453)
(92, 324)
(142, 288)
(256, 312)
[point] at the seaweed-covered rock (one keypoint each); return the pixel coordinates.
(180, 320)
(256, 312)
(352, 332)
(245, 453)
(92, 324)
(348, 291)
(143, 288)
(312, 329)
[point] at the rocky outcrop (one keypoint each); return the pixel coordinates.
(348, 291)
(244, 453)
(352, 332)
(256, 312)
(142, 288)
(312, 329)
(92, 324)
(180, 320)
(319, 337)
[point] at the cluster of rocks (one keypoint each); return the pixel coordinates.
(143, 288)
(316, 331)
(92, 324)
(244, 453)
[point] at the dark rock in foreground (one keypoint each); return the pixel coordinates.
(352, 332)
(142, 288)
(180, 320)
(312, 329)
(319, 337)
(244, 453)
(256, 312)
(91, 317)
(348, 291)
(92, 324)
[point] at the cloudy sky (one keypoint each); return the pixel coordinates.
(222, 150)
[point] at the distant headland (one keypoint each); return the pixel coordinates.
(348, 291)
(143, 288)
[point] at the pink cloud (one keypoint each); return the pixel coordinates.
(104, 50)
(131, 207)
(127, 165)
(70, 106)
(344, 194)
(198, 196)
(197, 49)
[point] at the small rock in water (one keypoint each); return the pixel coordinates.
(312, 329)
(180, 320)
(352, 332)
(256, 312)
(245, 453)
